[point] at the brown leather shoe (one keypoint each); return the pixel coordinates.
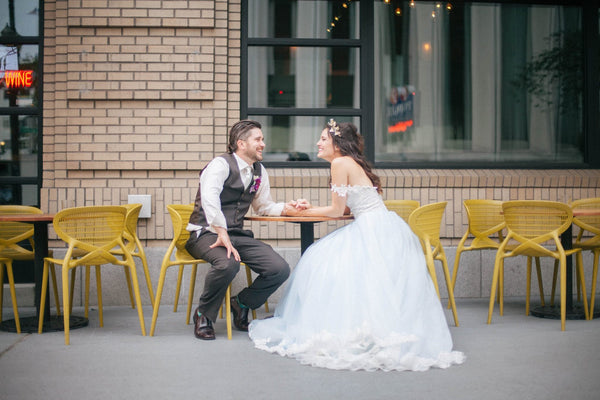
(203, 328)
(240, 315)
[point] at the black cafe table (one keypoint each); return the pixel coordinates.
(40, 237)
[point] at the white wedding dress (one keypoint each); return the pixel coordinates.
(361, 298)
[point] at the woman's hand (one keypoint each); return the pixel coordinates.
(302, 204)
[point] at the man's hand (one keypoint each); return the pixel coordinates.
(290, 210)
(302, 204)
(224, 241)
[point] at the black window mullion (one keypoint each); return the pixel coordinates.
(367, 77)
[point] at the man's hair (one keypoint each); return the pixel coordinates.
(240, 131)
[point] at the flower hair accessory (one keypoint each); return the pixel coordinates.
(255, 184)
(334, 129)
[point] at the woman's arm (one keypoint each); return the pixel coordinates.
(339, 177)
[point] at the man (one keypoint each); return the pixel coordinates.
(229, 184)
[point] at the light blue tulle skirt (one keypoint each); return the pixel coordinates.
(361, 298)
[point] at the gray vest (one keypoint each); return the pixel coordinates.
(235, 200)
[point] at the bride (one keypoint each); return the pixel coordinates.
(361, 297)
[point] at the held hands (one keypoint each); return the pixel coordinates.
(224, 241)
(294, 207)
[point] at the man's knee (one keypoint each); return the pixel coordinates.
(227, 266)
(283, 271)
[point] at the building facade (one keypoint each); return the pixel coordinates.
(134, 97)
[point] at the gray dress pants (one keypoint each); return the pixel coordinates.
(271, 268)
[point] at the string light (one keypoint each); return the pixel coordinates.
(411, 4)
(398, 11)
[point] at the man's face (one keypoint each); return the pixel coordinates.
(251, 149)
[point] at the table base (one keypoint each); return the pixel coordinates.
(553, 312)
(53, 324)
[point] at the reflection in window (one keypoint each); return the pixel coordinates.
(306, 19)
(294, 138)
(478, 82)
(303, 77)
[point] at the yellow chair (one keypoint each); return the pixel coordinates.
(533, 230)
(425, 222)
(11, 281)
(91, 234)
(12, 234)
(486, 223)
(134, 246)
(588, 238)
(180, 215)
(402, 207)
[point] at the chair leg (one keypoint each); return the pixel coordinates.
(72, 290)
(55, 290)
(449, 285)
(178, 287)
(142, 256)
(158, 295)
(495, 278)
(249, 280)
(128, 280)
(563, 292)
(538, 270)
(594, 277)
(1, 287)
(528, 289)
(501, 288)
(66, 306)
(581, 283)
(554, 277)
(137, 296)
(99, 294)
(86, 292)
(191, 293)
(228, 310)
(459, 249)
(43, 297)
(13, 296)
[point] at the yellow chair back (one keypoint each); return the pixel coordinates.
(588, 236)
(426, 222)
(485, 220)
(402, 207)
(13, 233)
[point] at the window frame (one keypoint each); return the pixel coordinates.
(34, 110)
(366, 112)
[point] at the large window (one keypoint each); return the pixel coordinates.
(20, 102)
(428, 83)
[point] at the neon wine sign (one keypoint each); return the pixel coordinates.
(17, 79)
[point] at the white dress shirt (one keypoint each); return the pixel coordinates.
(211, 184)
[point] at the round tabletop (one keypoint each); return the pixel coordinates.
(297, 219)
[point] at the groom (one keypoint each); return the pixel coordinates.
(229, 184)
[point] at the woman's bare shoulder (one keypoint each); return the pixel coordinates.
(343, 162)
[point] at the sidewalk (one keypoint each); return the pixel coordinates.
(516, 357)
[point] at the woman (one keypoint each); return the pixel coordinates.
(361, 297)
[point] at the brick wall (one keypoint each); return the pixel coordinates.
(139, 95)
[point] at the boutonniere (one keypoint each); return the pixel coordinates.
(255, 184)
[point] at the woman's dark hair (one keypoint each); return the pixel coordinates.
(240, 131)
(350, 143)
